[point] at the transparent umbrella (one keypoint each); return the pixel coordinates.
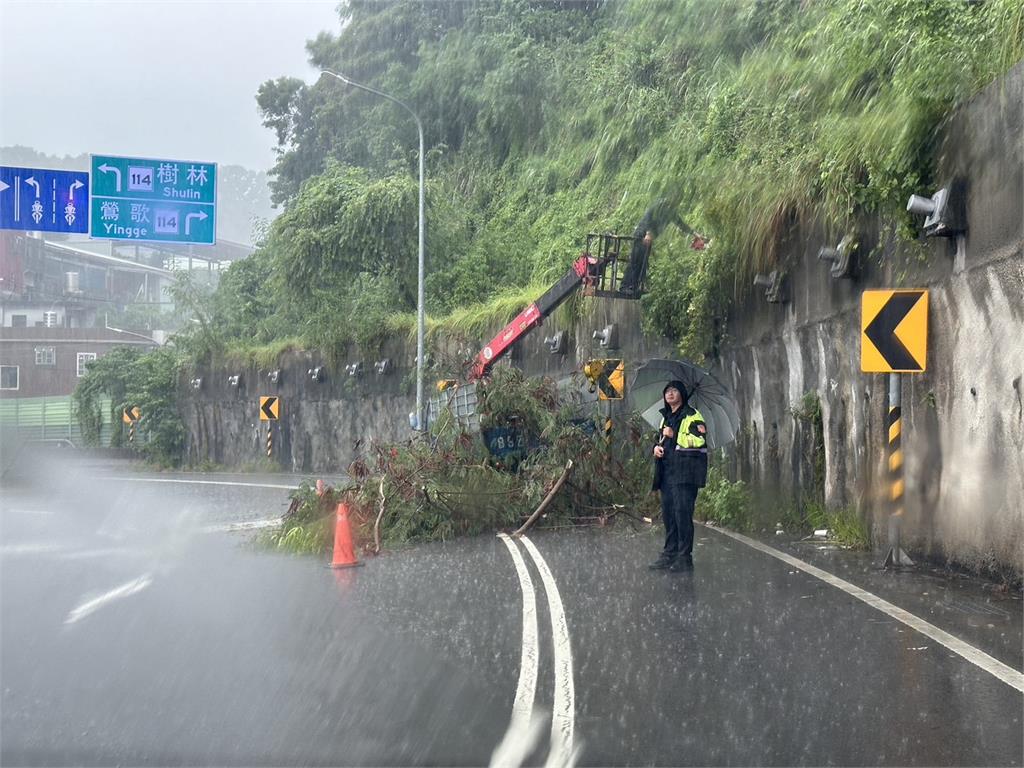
(705, 393)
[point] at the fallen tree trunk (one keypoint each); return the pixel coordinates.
(376, 525)
(544, 504)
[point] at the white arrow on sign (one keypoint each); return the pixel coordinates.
(30, 180)
(117, 174)
(4, 186)
(71, 191)
(188, 219)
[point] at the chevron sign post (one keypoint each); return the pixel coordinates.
(894, 340)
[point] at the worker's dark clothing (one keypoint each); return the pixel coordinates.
(677, 505)
(655, 219)
(679, 474)
(639, 255)
(669, 419)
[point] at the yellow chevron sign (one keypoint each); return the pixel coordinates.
(270, 408)
(894, 331)
(608, 376)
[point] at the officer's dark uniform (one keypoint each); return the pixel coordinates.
(678, 475)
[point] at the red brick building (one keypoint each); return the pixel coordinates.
(48, 362)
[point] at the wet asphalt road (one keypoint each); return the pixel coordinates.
(218, 653)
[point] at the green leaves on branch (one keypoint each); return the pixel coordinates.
(343, 257)
(104, 377)
(131, 377)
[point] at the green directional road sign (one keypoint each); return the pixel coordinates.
(147, 200)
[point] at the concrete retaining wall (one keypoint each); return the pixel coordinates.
(325, 424)
(963, 419)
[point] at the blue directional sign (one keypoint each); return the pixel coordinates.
(147, 200)
(39, 200)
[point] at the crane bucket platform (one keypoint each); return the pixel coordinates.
(624, 260)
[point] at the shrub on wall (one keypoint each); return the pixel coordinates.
(133, 378)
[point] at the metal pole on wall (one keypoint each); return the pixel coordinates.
(896, 556)
(421, 415)
(421, 420)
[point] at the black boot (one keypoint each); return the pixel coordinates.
(681, 563)
(662, 563)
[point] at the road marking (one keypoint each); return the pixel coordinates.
(30, 549)
(200, 482)
(248, 525)
(562, 751)
(520, 737)
(125, 590)
(67, 552)
(28, 511)
(109, 552)
(979, 658)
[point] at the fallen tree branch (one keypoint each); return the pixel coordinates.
(293, 508)
(376, 525)
(547, 500)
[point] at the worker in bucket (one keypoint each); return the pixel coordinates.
(654, 221)
(681, 469)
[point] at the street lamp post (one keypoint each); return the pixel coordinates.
(421, 420)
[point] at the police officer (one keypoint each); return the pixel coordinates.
(681, 468)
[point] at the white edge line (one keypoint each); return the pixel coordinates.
(201, 482)
(517, 742)
(563, 751)
(125, 590)
(979, 658)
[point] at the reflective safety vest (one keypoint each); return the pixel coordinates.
(692, 432)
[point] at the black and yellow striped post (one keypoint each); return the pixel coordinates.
(130, 416)
(896, 556)
(895, 460)
(270, 441)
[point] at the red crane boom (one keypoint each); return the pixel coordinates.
(582, 270)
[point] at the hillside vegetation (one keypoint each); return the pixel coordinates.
(546, 120)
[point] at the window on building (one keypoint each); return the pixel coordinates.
(49, 319)
(19, 321)
(46, 356)
(83, 358)
(8, 377)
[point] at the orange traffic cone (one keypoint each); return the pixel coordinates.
(344, 552)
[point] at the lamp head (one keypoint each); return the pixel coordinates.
(827, 253)
(945, 212)
(922, 206)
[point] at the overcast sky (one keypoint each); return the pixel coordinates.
(173, 79)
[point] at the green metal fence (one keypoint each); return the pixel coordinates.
(49, 419)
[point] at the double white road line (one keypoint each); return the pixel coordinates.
(523, 730)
